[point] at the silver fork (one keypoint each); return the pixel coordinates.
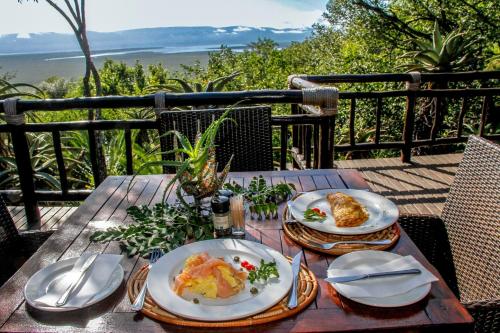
(329, 246)
(139, 300)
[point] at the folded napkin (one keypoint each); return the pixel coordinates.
(384, 286)
(96, 278)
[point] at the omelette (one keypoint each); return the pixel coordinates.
(210, 277)
(346, 210)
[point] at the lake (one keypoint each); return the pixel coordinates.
(34, 68)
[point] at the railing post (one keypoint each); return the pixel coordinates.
(409, 124)
(283, 145)
(94, 159)
(327, 98)
(23, 161)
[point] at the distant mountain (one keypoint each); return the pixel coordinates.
(169, 37)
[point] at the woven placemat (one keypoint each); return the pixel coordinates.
(301, 234)
(307, 290)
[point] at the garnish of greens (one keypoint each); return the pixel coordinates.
(164, 226)
(314, 214)
(263, 199)
(264, 272)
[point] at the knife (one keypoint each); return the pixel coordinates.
(76, 282)
(340, 279)
(292, 300)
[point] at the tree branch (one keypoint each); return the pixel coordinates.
(72, 11)
(82, 9)
(392, 19)
(66, 17)
(480, 14)
(77, 7)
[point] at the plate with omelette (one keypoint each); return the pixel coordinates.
(212, 280)
(344, 211)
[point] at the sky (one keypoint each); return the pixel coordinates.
(115, 15)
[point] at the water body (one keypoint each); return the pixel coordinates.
(34, 68)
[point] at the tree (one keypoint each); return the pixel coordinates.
(74, 14)
(398, 22)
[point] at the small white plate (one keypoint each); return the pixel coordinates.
(377, 258)
(161, 279)
(39, 283)
(382, 212)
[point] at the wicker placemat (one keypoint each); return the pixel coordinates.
(308, 288)
(302, 234)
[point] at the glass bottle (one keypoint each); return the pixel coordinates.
(229, 194)
(220, 210)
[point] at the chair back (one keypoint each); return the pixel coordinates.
(8, 231)
(248, 138)
(472, 219)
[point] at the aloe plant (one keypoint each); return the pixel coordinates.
(8, 90)
(442, 53)
(42, 162)
(195, 162)
(183, 86)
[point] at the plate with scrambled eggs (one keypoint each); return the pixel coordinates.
(217, 280)
(346, 211)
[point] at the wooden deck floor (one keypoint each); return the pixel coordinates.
(417, 188)
(52, 217)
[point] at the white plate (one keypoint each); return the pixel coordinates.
(377, 258)
(161, 278)
(383, 212)
(39, 283)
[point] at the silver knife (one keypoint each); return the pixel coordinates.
(292, 300)
(76, 282)
(340, 279)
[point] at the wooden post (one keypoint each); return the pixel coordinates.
(128, 151)
(23, 161)
(409, 124)
(326, 143)
(63, 178)
(484, 113)
(96, 172)
(284, 145)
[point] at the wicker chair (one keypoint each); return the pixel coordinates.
(464, 243)
(248, 138)
(16, 247)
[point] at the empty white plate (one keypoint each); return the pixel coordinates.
(377, 258)
(40, 282)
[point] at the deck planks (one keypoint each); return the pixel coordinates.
(420, 187)
(52, 217)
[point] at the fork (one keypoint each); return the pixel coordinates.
(329, 246)
(139, 301)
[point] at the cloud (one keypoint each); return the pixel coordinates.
(289, 31)
(23, 36)
(220, 31)
(241, 29)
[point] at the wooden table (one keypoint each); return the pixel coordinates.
(330, 312)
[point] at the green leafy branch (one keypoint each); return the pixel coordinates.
(164, 226)
(263, 199)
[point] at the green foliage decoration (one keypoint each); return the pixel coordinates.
(263, 199)
(164, 226)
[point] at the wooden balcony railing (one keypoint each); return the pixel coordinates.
(306, 136)
(313, 121)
